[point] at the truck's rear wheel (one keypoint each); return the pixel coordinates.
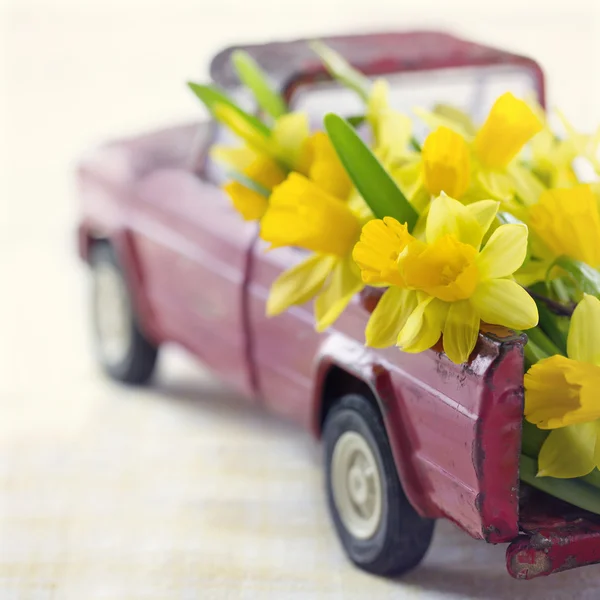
(379, 529)
(123, 351)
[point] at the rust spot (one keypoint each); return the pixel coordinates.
(540, 542)
(563, 540)
(479, 501)
(490, 530)
(571, 562)
(526, 567)
(478, 453)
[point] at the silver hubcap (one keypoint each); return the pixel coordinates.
(356, 483)
(112, 314)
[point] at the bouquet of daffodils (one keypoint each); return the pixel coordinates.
(480, 224)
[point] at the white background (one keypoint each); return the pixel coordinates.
(80, 459)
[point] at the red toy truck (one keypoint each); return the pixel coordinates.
(408, 438)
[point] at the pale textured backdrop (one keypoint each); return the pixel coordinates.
(182, 491)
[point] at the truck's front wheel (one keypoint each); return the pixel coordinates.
(379, 529)
(124, 352)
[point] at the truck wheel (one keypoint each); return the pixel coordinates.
(123, 351)
(379, 529)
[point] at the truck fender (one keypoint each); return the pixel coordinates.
(346, 366)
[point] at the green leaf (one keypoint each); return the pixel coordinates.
(356, 120)
(247, 182)
(372, 181)
(415, 144)
(339, 68)
(574, 491)
(533, 354)
(254, 78)
(585, 277)
(211, 96)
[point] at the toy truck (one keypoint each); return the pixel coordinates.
(407, 438)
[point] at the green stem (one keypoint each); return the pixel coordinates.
(574, 491)
(533, 354)
(550, 324)
(560, 290)
(532, 439)
(542, 341)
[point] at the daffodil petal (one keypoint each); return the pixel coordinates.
(526, 185)
(583, 342)
(484, 212)
(389, 316)
(301, 214)
(239, 158)
(325, 169)
(569, 451)
(495, 184)
(299, 284)
(289, 135)
(446, 116)
(449, 217)
(532, 272)
(461, 331)
(504, 252)
(255, 138)
(344, 283)
(249, 203)
(505, 302)
(424, 326)
(265, 171)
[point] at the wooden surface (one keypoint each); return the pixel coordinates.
(178, 491)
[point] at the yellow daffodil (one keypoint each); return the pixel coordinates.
(302, 214)
(561, 394)
(260, 175)
(391, 129)
(321, 164)
(265, 159)
(313, 156)
(567, 221)
(392, 132)
(446, 163)
(445, 285)
(586, 146)
(551, 157)
(285, 141)
(510, 124)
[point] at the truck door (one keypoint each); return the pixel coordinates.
(193, 248)
(283, 347)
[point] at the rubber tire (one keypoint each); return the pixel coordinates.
(403, 537)
(138, 366)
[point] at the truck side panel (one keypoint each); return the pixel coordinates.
(454, 429)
